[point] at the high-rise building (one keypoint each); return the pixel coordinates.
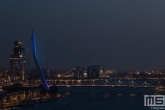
(17, 61)
(79, 72)
(93, 71)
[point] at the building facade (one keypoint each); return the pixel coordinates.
(79, 72)
(93, 71)
(17, 61)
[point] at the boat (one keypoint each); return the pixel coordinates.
(28, 102)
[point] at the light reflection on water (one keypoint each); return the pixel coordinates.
(132, 94)
(93, 95)
(95, 98)
(106, 95)
(119, 94)
(67, 93)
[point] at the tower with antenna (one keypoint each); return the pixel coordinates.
(88, 56)
(28, 66)
(47, 64)
(47, 68)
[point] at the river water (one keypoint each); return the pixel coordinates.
(96, 98)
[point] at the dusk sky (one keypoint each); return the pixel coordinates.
(119, 34)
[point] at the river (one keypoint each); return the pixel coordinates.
(96, 98)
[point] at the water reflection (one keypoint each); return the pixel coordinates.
(96, 98)
(67, 93)
(93, 95)
(132, 94)
(106, 95)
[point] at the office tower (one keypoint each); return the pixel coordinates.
(79, 72)
(93, 71)
(17, 61)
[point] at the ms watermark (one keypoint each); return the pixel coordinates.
(155, 101)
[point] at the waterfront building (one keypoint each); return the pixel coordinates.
(17, 61)
(93, 71)
(79, 72)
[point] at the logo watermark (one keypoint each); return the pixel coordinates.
(155, 101)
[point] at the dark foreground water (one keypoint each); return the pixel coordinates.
(96, 98)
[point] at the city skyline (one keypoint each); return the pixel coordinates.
(118, 35)
(82, 54)
(21, 50)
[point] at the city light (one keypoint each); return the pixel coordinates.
(59, 75)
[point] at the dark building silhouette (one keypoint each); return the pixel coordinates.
(93, 71)
(15, 59)
(79, 72)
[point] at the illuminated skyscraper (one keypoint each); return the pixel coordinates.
(17, 61)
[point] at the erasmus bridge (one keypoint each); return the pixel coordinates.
(40, 52)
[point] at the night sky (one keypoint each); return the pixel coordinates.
(119, 34)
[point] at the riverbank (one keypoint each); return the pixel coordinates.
(17, 104)
(97, 98)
